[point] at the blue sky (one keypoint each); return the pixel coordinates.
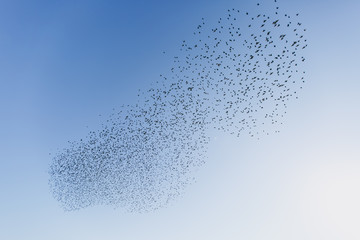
(64, 63)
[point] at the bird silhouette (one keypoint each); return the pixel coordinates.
(236, 76)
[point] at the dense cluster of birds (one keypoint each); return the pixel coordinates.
(236, 75)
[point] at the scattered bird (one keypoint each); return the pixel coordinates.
(236, 76)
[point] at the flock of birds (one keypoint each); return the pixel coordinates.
(236, 76)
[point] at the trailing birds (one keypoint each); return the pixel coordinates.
(236, 76)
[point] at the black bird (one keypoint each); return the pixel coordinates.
(144, 156)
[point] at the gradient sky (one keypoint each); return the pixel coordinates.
(65, 62)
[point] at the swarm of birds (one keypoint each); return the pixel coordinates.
(236, 76)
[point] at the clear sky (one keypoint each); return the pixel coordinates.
(64, 63)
